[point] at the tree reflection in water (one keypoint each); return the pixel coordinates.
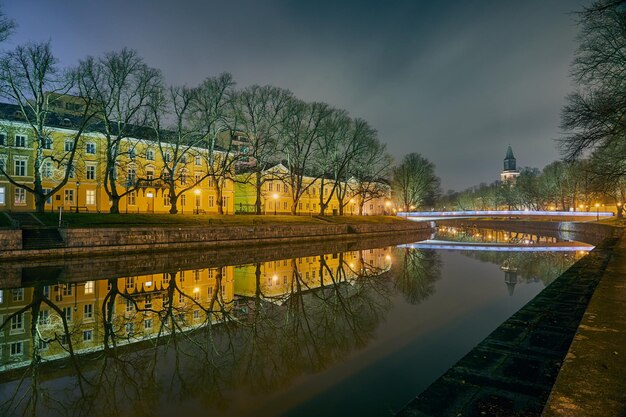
(171, 340)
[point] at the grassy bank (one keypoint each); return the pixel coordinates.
(131, 220)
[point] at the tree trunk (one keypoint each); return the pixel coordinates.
(115, 204)
(258, 187)
(40, 203)
(173, 200)
(220, 203)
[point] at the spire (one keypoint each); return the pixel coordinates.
(509, 160)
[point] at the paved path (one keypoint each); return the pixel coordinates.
(592, 381)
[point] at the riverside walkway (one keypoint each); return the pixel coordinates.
(561, 355)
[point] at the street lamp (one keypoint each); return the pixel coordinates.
(597, 212)
(197, 193)
(77, 185)
(151, 202)
(275, 196)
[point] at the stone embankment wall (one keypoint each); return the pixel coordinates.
(87, 241)
(10, 240)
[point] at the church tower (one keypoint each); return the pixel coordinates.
(510, 172)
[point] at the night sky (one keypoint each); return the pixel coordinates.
(456, 81)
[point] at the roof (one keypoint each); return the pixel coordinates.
(509, 153)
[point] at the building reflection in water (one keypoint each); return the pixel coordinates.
(210, 328)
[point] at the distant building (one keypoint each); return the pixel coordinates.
(510, 172)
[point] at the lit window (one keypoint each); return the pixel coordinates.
(90, 197)
(89, 287)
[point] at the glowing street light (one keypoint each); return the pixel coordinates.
(275, 197)
(197, 193)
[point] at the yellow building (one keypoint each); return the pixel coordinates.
(276, 196)
(140, 167)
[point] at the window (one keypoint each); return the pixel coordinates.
(46, 143)
(69, 146)
(90, 148)
(183, 200)
(198, 161)
(20, 167)
(132, 198)
(20, 141)
(270, 186)
(88, 312)
(90, 197)
(211, 201)
(46, 291)
(67, 290)
(72, 171)
(44, 317)
(147, 324)
(198, 178)
(166, 200)
(69, 196)
(16, 348)
(17, 322)
(150, 174)
(285, 188)
(91, 172)
(150, 155)
(3, 199)
(148, 303)
(20, 196)
(3, 139)
(168, 157)
(129, 306)
(196, 314)
(131, 176)
(130, 283)
(87, 335)
(89, 287)
(46, 169)
(130, 328)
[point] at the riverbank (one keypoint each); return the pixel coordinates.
(513, 371)
(245, 230)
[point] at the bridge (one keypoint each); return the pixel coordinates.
(562, 215)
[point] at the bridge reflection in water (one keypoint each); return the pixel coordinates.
(143, 344)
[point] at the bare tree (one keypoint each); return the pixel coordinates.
(370, 172)
(414, 181)
(595, 114)
(31, 78)
(121, 84)
(6, 26)
(214, 114)
(261, 110)
(300, 133)
(176, 140)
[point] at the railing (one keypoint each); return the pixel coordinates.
(505, 213)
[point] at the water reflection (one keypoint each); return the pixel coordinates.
(207, 329)
(218, 340)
